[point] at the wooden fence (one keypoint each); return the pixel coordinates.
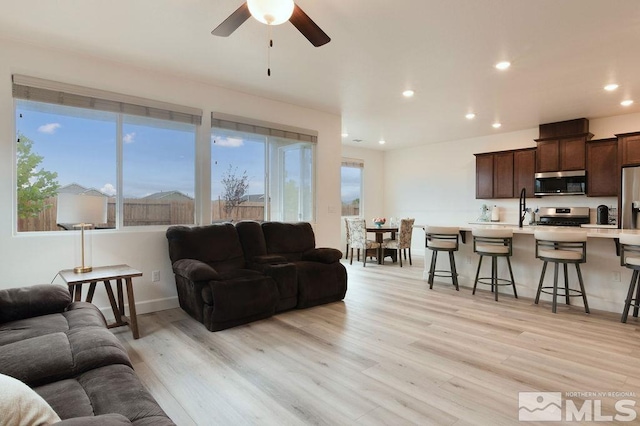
(137, 212)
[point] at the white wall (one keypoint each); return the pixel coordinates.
(435, 183)
(36, 257)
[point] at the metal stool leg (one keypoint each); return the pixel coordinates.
(513, 281)
(544, 269)
(434, 257)
(475, 283)
(627, 303)
(635, 301)
(555, 288)
(566, 284)
(454, 273)
(584, 293)
(494, 275)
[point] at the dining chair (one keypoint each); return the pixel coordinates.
(403, 242)
(358, 233)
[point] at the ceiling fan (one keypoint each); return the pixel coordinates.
(273, 12)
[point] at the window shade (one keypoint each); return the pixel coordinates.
(36, 89)
(242, 124)
(352, 162)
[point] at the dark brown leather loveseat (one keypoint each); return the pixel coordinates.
(64, 352)
(229, 275)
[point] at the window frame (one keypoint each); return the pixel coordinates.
(355, 164)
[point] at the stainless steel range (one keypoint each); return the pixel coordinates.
(563, 216)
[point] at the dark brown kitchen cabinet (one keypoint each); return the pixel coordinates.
(602, 168)
(524, 167)
(503, 174)
(629, 148)
(561, 154)
(484, 175)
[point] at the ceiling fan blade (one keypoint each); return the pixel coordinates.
(308, 28)
(232, 23)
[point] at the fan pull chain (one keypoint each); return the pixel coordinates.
(269, 52)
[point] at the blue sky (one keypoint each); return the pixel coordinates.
(80, 145)
(82, 149)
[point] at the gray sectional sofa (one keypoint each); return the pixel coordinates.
(63, 351)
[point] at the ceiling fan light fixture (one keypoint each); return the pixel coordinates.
(271, 12)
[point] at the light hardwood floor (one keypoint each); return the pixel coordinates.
(394, 352)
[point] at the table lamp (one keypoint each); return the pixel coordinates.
(83, 211)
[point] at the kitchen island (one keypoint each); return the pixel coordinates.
(606, 281)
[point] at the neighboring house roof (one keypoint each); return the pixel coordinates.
(252, 198)
(74, 188)
(168, 195)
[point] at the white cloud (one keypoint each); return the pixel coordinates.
(108, 189)
(49, 128)
(229, 142)
(129, 137)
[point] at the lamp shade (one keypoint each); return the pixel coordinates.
(79, 208)
(271, 12)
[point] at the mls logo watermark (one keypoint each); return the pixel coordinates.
(540, 407)
(548, 407)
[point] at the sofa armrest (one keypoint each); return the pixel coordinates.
(322, 255)
(195, 270)
(33, 301)
(111, 419)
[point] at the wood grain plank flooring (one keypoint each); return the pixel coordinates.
(393, 353)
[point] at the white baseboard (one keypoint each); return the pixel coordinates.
(146, 306)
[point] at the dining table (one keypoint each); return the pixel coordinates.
(380, 231)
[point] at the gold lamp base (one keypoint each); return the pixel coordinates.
(82, 269)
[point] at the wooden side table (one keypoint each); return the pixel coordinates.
(106, 274)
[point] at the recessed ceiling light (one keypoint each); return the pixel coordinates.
(626, 102)
(496, 125)
(611, 87)
(382, 142)
(503, 65)
(470, 116)
(344, 135)
(408, 93)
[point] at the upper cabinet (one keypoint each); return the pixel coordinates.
(602, 168)
(562, 146)
(629, 148)
(484, 175)
(561, 154)
(524, 168)
(503, 174)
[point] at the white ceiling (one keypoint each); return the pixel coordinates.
(562, 52)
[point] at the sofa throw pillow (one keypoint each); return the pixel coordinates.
(21, 405)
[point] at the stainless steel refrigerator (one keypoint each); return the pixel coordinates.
(630, 194)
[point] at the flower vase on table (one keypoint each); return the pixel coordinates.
(379, 221)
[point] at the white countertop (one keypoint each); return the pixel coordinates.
(592, 232)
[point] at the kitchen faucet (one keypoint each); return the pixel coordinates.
(522, 206)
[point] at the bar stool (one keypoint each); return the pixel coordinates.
(442, 238)
(495, 243)
(630, 258)
(562, 247)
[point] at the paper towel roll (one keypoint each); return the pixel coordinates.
(495, 214)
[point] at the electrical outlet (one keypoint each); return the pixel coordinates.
(155, 276)
(615, 276)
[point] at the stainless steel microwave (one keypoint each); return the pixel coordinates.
(561, 183)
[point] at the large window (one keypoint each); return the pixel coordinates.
(351, 186)
(261, 173)
(142, 164)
